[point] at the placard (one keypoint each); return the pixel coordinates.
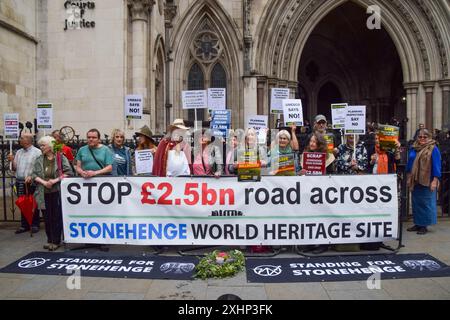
(338, 114)
(144, 161)
(249, 168)
(134, 106)
(293, 112)
(283, 165)
(217, 98)
(44, 116)
(11, 126)
(276, 99)
(195, 99)
(221, 123)
(355, 120)
(259, 123)
(388, 137)
(314, 163)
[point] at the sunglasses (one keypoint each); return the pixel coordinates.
(422, 137)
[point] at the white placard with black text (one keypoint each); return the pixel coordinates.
(134, 106)
(293, 112)
(355, 121)
(276, 99)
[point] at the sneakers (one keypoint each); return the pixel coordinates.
(53, 247)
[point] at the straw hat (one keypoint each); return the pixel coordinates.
(146, 132)
(178, 124)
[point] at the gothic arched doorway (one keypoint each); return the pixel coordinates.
(363, 63)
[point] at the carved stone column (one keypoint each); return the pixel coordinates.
(411, 105)
(445, 85)
(140, 12)
(429, 99)
(170, 11)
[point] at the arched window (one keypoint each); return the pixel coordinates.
(196, 81)
(218, 77)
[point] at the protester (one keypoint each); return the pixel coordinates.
(145, 140)
(208, 159)
(285, 144)
(421, 127)
(48, 172)
(231, 161)
(318, 144)
(349, 161)
(22, 164)
(94, 159)
(384, 162)
(66, 150)
(174, 140)
(122, 165)
(424, 173)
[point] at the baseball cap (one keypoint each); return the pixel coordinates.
(320, 117)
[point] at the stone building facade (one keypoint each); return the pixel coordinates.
(325, 51)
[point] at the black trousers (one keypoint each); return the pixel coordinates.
(53, 217)
(21, 190)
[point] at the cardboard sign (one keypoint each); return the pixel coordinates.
(259, 123)
(144, 161)
(338, 114)
(44, 116)
(221, 123)
(195, 99)
(283, 165)
(249, 168)
(134, 106)
(388, 136)
(276, 99)
(293, 112)
(314, 163)
(217, 98)
(11, 126)
(355, 120)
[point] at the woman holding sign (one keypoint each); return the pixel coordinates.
(424, 172)
(350, 161)
(282, 157)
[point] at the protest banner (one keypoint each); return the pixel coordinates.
(44, 116)
(220, 123)
(276, 99)
(355, 120)
(388, 136)
(144, 161)
(338, 114)
(293, 112)
(217, 98)
(134, 107)
(185, 211)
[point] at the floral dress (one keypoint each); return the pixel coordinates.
(344, 159)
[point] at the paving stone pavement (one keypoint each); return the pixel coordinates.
(16, 286)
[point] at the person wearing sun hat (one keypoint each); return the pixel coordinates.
(168, 159)
(145, 140)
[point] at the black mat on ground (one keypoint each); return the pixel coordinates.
(105, 265)
(345, 268)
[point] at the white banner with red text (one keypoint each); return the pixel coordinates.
(203, 211)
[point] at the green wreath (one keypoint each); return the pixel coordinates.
(220, 264)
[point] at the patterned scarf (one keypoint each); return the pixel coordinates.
(421, 170)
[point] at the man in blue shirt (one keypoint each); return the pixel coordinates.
(94, 159)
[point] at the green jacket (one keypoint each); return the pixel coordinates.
(38, 171)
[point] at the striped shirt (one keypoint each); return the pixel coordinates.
(24, 161)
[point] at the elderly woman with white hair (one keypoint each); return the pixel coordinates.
(48, 172)
(286, 144)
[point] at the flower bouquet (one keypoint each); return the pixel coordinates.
(220, 264)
